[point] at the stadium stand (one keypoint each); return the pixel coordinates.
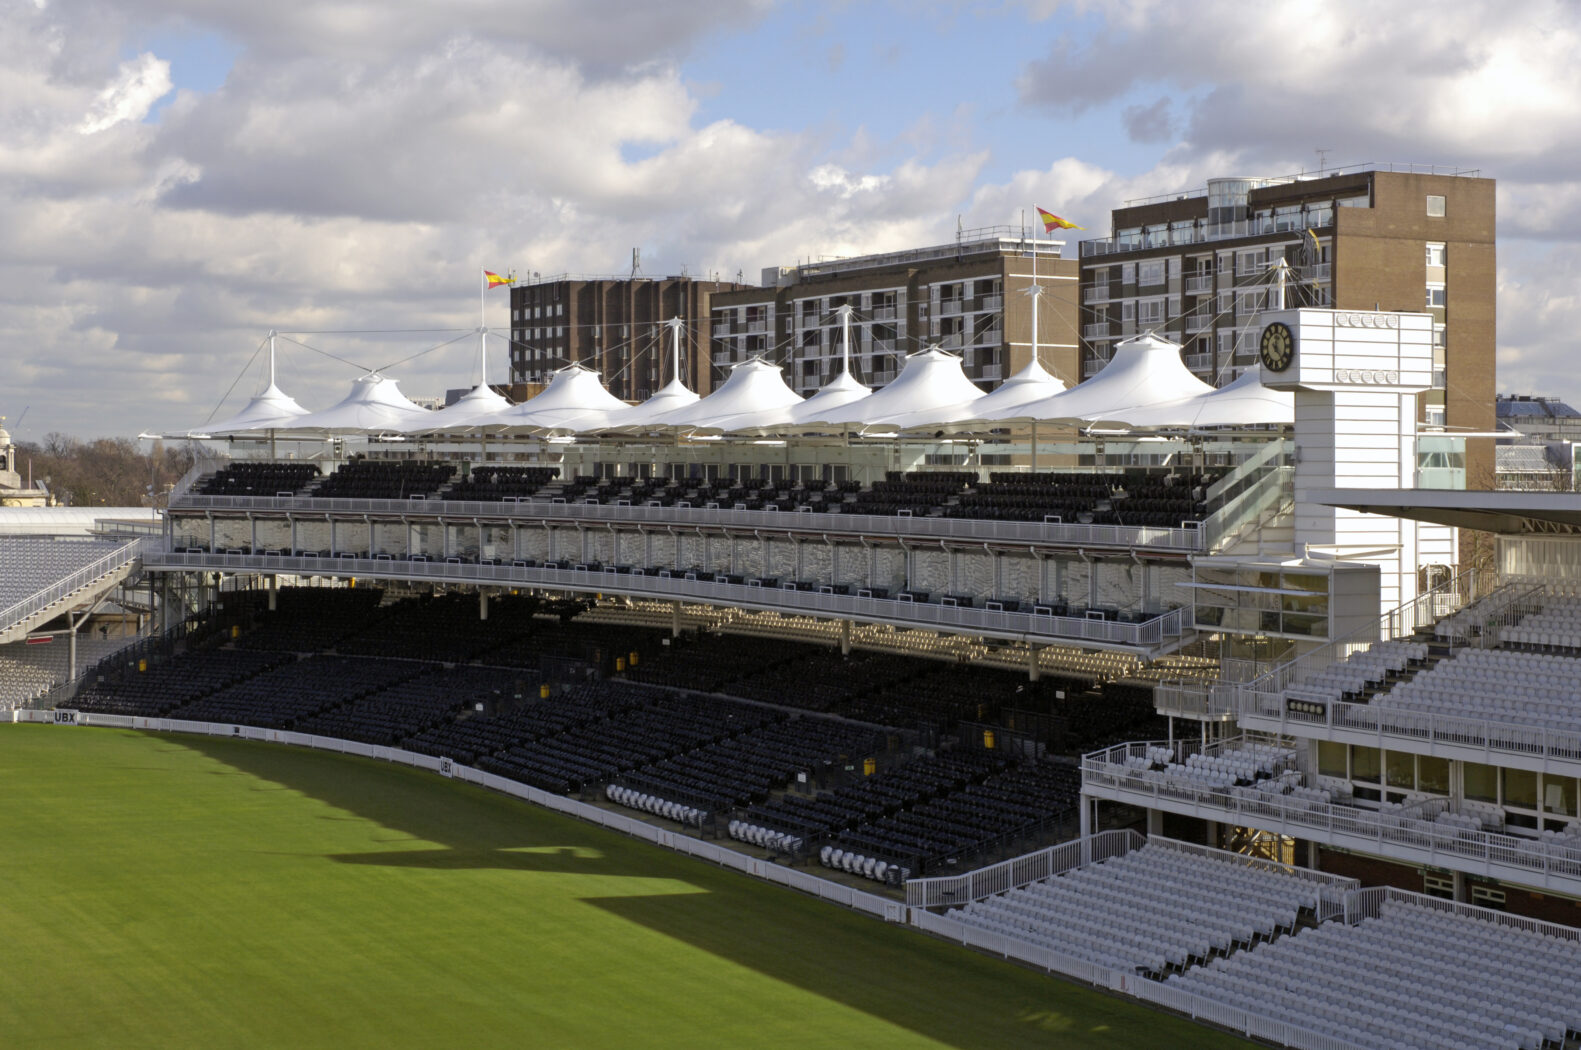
(258, 478)
(379, 479)
(1151, 911)
(29, 564)
(1402, 980)
(490, 484)
(164, 687)
(288, 694)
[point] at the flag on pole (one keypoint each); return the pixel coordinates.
(1052, 222)
(495, 280)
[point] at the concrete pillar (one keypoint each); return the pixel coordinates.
(845, 637)
(483, 604)
(1155, 822)
(675, 619)
(274, 593)
(1034, 672)
(1462, 895)
(1212, 833)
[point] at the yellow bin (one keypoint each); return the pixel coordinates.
(543, 691)
(869, 766)
(988, 739)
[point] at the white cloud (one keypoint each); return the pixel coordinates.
(138, 84)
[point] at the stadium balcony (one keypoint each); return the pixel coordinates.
(1143, 633)
(1246, 784)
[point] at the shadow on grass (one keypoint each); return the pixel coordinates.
(917, 983)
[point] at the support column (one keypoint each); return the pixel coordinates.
(1155, 822)
(1462, 895)
(274, 593)
(483, 604)
(845, 637)
(675, 619)
(1034, 672)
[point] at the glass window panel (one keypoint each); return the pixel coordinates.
(1432, 775)
(1559, 795)
(1480, 782)
(1330, 758)
(1520, 788)
(1364, 763)
(1401, 769)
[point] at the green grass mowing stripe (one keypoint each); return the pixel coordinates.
(172, 891)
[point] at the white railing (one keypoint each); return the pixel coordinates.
(872, 904)
(951, 890)
(1095, 294)
(1095, 331)
(1386, 834)
(542, 511)
(1199, 284)
(1149, 634)
(1276, 485)
(18, 611)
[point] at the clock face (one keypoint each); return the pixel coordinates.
(1278, 347)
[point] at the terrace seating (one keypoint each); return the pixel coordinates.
(406, 708)
(313, 618)
(291, 693)
(489, 483)
(1220, 770)
(1557, 628)
(1151, 910)
(1414, 977)
(1362, 670)
(379, 479)
(742, 770)
(165, 686)
(1475, 684)
(30, 564)
(471, 739)
(258, 478)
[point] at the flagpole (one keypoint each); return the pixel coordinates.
(483, 287)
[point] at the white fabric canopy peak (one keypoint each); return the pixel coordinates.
(675, 396)
(1145, 370)
(375, 403)
(931, 380)
(272, 409)
(574, 400)
(754, 390)
(1032, 383)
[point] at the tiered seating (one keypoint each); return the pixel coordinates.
(712, 662)
(1149, 911)
(489, 484)
(957, 826)
(1557, 628)
(1414, 977)
(1132, 498)
(1222, 770)
(594, 753)
(379, 479)
(256, 478)
(394, 713)
(1362, 670)
(281, 698)
(741, 770)
(1476, 684)
(914, 492)
(166, 686)
(30, 564)
(313, 618)
(470, 739)
(443, 627)
(28, 671)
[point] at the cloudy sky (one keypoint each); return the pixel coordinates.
(177, 177)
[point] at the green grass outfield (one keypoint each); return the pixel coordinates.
(173, 891)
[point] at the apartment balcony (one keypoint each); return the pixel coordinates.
(1096, 294)
(721, 330)
(1323, 272)
(1198, 324)
(1095, 331)
(756, 327)
(1199, 362)
(1121, 774)
(1201, 284)
(950, 307)
(884, 313)
(990, 302)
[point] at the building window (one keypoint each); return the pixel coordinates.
(1435, 415)
(1437, 296)
(1128, 310)
(1151, 311)
(1435, 254)
(1435, 206)
(1150, 273)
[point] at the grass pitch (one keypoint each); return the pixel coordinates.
(170, 891)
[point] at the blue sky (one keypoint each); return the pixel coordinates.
(176, 178)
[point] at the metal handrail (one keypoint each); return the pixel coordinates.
(19, 610)
(978, 530)
(1148, 634)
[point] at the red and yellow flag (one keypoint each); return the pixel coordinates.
(1052, 222)
(495, 280)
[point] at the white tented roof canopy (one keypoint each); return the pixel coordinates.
(1032, 383)
(478, 407)
(674, 396)
(1244, 402)
(930, 381)
(374, 404)
(271, 409)
(1145, 370)
(755, 389)
(573, 401)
